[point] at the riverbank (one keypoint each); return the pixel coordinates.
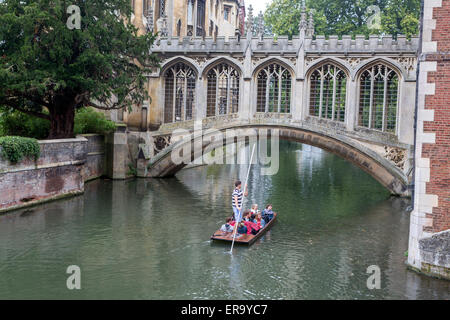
(60, 172)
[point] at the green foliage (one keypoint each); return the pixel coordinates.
(15, 123)
(44, 63)
(16, 148)
(87, 120)
(132, 170)
(345, 17)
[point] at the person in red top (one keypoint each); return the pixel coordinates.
(252, 228)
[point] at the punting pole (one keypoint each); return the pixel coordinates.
(243, 200)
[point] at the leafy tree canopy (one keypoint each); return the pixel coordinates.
(346, 17)
(46, 65)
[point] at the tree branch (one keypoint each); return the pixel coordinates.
(29, 112)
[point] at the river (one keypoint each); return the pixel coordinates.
(149, 239)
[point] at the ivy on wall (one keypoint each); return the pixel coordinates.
(16, 148)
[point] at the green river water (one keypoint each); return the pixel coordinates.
(149, 239)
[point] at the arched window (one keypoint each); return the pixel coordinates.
(223, 90)
(378, 99)
(274, 89)
(180, 82)
(328, 87)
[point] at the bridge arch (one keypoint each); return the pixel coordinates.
(379, 168)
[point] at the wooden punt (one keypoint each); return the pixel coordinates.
(245, 239)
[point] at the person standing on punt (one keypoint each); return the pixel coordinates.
(237, 198)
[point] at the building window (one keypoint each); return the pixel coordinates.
(217, 9)
(378, 99)
(274, 89)
(145, 7)
(180, 82)
(211, 28)
(226, 13)
(190, 13)
(328, 91)
(223, 90)
(161, 8)
(179, 28)
(201, 18)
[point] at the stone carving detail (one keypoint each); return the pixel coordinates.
(354, 61)
(396, 155)
(309, 60)
(409, 63)
(256, 60)
(201, 61)
(161, 143)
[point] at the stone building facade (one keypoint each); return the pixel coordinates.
(429, 249)
(358, 84)
(191, 18)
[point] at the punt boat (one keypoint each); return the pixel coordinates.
(245, 239)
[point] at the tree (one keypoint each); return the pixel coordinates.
(402, 17)
(345, 17)
(48, 70)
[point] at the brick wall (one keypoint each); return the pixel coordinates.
(429, 238)
(439, 152)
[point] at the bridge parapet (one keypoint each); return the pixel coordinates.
(282, 45)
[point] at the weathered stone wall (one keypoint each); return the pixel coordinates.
(428, 250)
(95, 166)
(435, 255)
(61, 171)
(57, 173)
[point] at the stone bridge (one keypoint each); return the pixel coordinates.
(372, 157)
(354, 97)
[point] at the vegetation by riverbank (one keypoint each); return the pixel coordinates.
(87, 120)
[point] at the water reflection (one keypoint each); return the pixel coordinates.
(149, 239)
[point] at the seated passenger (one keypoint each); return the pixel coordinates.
(255, 210)
(242, 229)
(260, 221)
(247, 215)
(227, 227)
(268, 213)
(252, 228)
